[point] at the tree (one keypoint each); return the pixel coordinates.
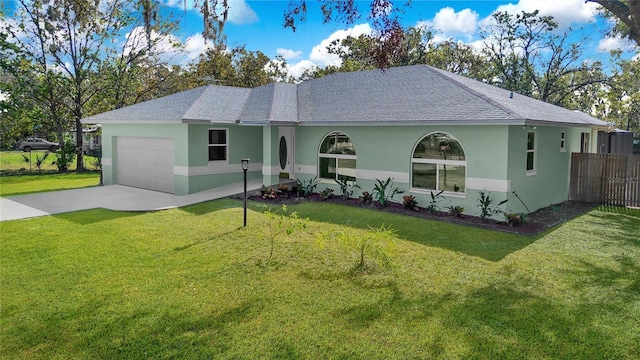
(136, 71)
(623, 96)
(63, 44)
(627, 15)
(526, 55)
(384, 15)
(235, 67)
(416, 47)
(35, 82)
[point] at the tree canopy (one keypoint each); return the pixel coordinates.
(58, 62)
(626, 14)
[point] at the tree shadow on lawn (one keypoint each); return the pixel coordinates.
(495, 321)
(617, 224)
(627, 276)
(144, 333)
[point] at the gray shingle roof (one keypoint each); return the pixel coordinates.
(272, 102)
(417, 94)
(220, 104)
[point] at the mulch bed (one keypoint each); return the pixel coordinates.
(535, 223)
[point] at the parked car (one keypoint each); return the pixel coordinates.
(35, 143)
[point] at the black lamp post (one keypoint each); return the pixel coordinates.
(245, 167)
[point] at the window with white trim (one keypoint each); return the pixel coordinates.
(218, 145)
(562, 142)
(438, 163)
(584, 142)
(531, 151)
(337, 157)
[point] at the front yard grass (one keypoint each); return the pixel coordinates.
(192, 283)
(28, 184)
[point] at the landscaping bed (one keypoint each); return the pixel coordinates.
(534, 223)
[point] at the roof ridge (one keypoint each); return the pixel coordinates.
(203, 90)
(472, 91)
(271, 101)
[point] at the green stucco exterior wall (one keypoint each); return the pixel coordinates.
(192, 170)
(495, 156)
(550, 182)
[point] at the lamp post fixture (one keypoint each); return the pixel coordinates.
(245, 167)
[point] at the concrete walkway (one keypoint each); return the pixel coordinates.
(112, 197)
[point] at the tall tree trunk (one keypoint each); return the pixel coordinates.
(79, 153)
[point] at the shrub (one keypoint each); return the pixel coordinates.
(65, 154)
(366, 197)
(384, 191)
(278, 222)
(96, 153)
(456, 210)
(515, 219)
(485, 206)
(40, 160)
(433, 204)
(346, 188)
(326, 193)
(305, 188)
(283, 189)
(409, 201)
(379, 244)
(267, 192)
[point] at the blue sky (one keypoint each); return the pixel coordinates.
(259, 26)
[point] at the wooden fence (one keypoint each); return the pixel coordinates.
(611, 179)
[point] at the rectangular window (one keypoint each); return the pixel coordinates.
(217, 144)
(562, 142)
(451, 178)
(584, 142)
(347, 169)
(531, 151)
(328, 168)
(424, 176)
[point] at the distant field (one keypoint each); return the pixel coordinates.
(17, 178)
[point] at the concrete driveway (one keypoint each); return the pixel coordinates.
(112, 197)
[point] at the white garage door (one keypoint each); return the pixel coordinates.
(145, 163)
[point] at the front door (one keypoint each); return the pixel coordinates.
(286, 147)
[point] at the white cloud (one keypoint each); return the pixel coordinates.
(239, 12)
(565, 12)
(319, 57)
(170, 48)
(288, 54)
(296, 70)
(450, 22)
(615, 43)
(195, 45)
(319, 54)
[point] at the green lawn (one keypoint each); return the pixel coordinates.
(27, 184)
(192, 283)
(14, 181)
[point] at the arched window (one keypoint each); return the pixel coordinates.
(438, 163)
(337, 157)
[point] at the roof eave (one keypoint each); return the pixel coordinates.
(414, 122)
